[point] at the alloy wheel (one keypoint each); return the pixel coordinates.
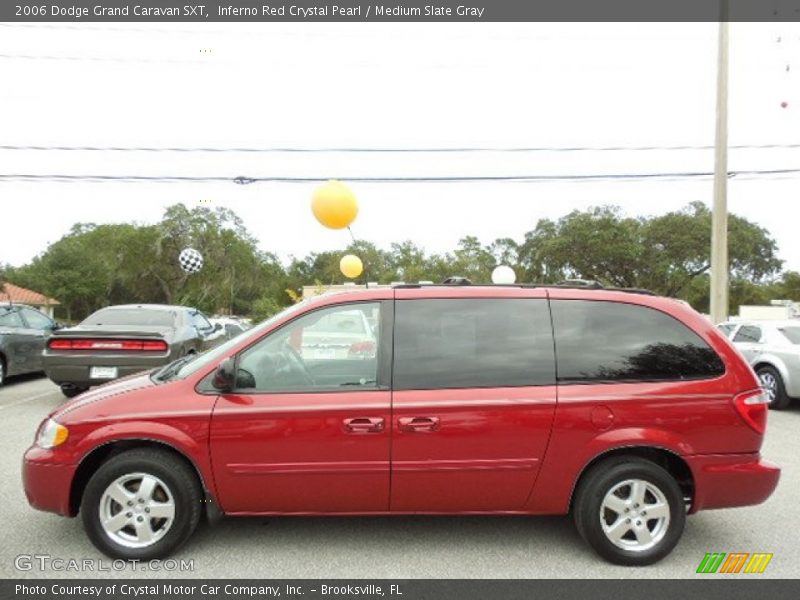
(635, 515)
(770, 384)
(137, 510)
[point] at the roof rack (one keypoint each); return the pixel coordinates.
(457, 280)
(584, 284)
(580, 283)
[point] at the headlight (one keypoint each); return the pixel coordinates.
(51, 434)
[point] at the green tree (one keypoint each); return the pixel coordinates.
(597, 244)
(788, 287)
(665, 254)
(677, 249)
(408, 262)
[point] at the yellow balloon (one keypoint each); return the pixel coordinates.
(334, 205)
(351, 266)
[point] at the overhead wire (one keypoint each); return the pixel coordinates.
(385, 150)
(245, 180)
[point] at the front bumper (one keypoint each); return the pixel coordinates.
(728, 480)
(47, 483)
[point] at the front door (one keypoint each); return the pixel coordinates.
(307, 429)
(473, 402)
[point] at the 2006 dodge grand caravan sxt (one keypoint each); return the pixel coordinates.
(625, 409)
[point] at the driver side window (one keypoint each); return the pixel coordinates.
(330, 349)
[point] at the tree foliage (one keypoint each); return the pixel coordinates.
(98, 265)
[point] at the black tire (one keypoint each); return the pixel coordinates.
(780, 400)
(182, 484)
(601, 480)
(3, 370)
(70, 391)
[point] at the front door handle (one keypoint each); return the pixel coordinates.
(418, 424)
(364, 424)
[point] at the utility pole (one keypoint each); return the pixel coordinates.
(719, 215)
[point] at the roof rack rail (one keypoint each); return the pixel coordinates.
(591, 284)
(581, 284)
(457, 280)
(630, 290)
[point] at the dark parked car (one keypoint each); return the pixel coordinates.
(122, 340)
(23, 332)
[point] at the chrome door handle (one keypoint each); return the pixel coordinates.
(364, 424)
(418, 424)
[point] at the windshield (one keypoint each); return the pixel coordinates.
(131, 316)
(792, 334)
(218, 352)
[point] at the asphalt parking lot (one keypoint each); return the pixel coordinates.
(393, 548)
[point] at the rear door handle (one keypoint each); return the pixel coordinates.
(418, 424)
(364, 424)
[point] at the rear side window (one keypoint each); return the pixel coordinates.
(612, 341)
(748, 333)
(462, 343)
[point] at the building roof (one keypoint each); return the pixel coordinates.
(21, 295)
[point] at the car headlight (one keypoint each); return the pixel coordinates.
(51, 434)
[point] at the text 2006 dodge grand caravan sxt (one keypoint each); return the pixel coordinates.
(625, 409)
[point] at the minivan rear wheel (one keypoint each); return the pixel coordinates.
(141, 504)
(630, 510)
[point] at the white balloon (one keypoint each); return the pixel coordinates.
(190, 260)
(503, 274)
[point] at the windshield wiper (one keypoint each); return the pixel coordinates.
(169, 370)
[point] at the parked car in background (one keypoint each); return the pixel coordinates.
(650, 415)
(773, 350)
(23, 333)
(121, 340)
(231, 327)
(342, 335)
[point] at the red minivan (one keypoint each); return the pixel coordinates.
(625, 409)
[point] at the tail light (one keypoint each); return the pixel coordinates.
(108, 344)
(753, 407)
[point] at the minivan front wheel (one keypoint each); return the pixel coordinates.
(141, 504)
(631, 511)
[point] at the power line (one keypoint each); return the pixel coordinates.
(364, 150)
(244, 180)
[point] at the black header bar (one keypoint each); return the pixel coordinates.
(31, 11)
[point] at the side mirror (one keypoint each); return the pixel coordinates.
(224, 378)
(217, 326)
(56, 325)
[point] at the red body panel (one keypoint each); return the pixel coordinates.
(292, 453)
(497, 450)
(484, 454)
